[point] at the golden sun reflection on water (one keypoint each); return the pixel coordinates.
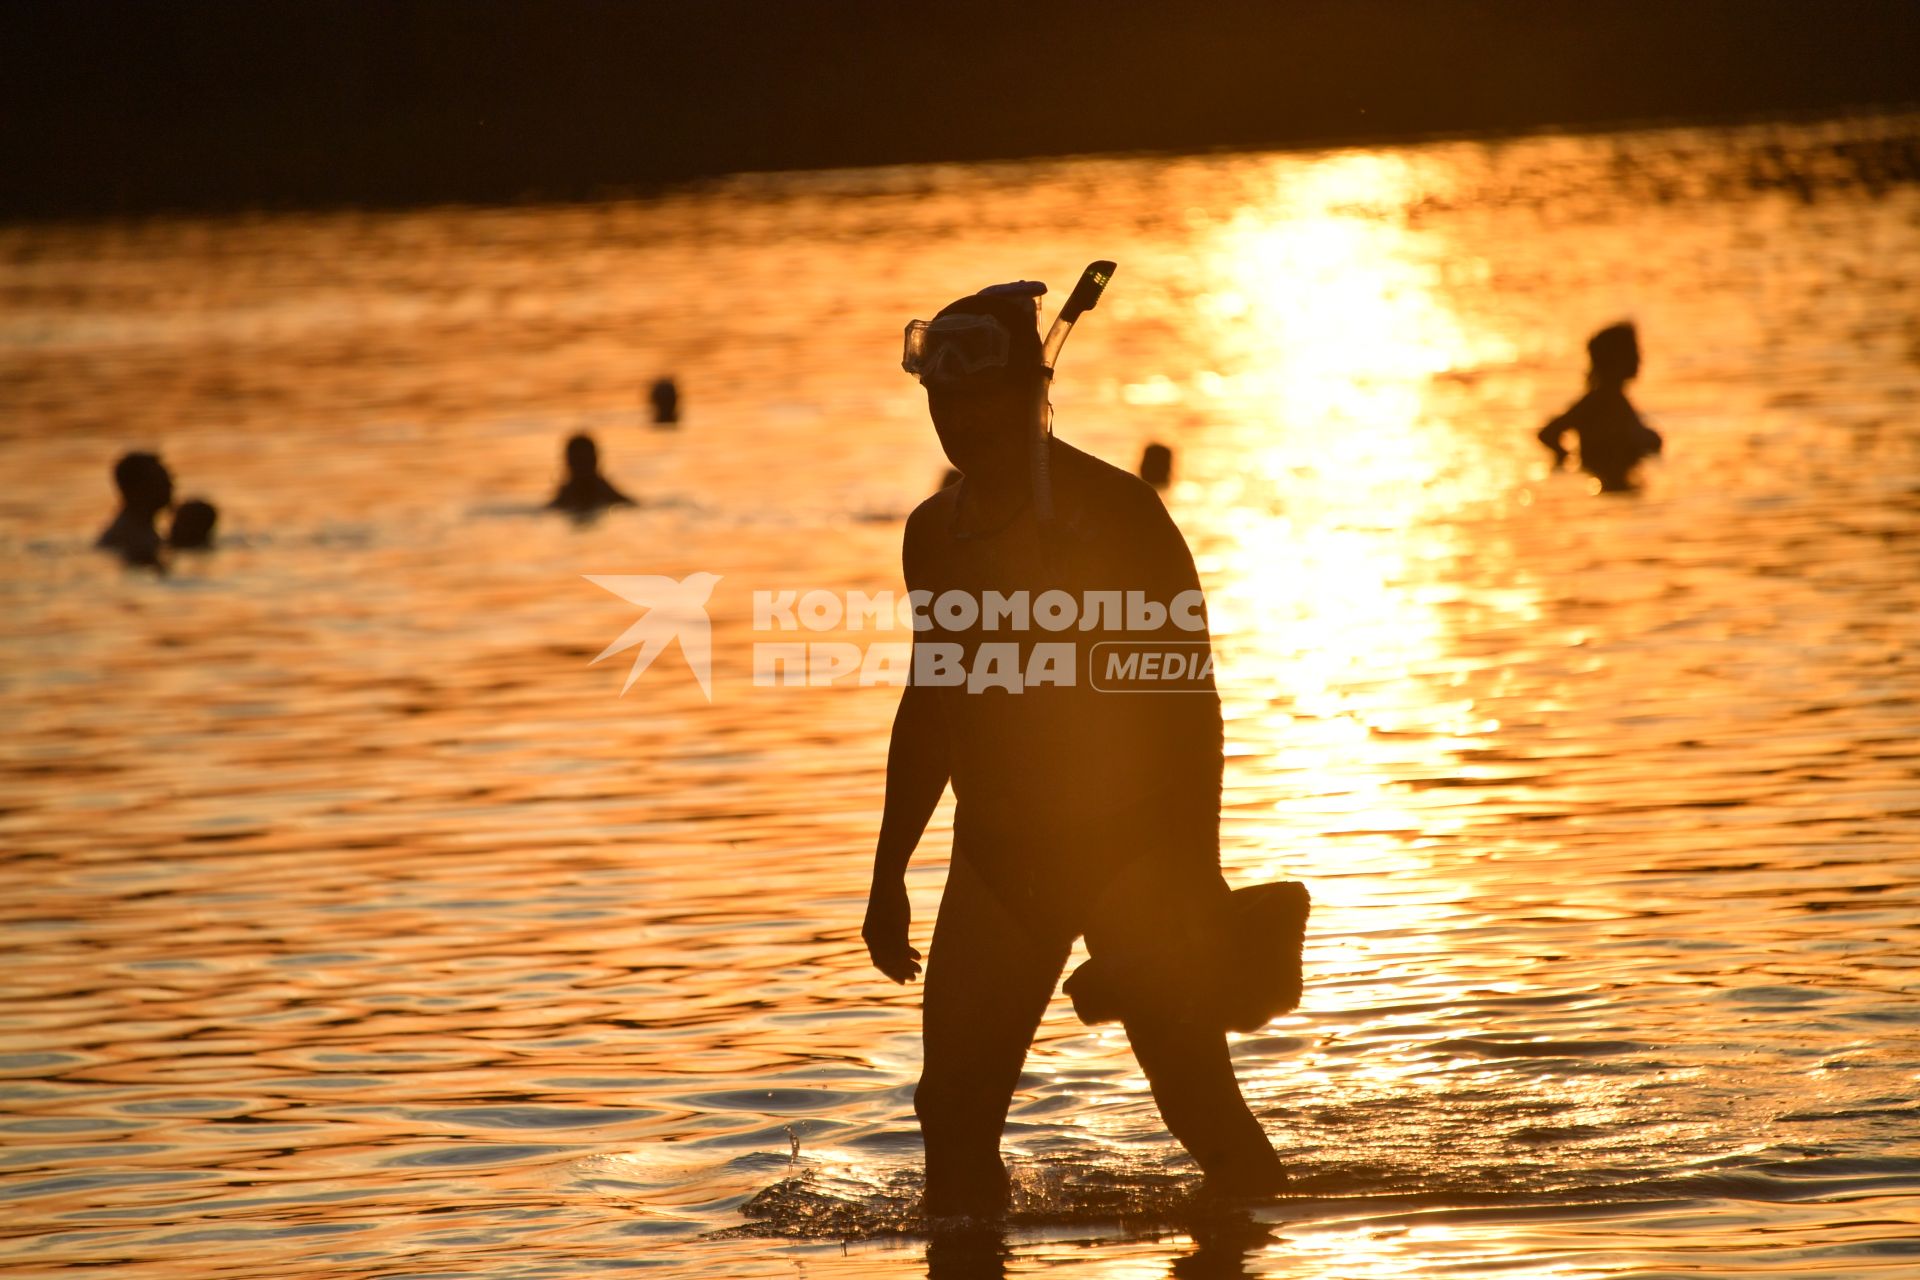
(1325, 332)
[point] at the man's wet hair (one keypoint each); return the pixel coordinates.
(1614, 349)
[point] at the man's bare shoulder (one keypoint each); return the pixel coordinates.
(927, 526)
(933, 515)
(1111, 493)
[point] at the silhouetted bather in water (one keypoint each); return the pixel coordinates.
(1156, 465)
(1613, 440)
(146, 489)
(585, 489)
(665, 396)
(1078, 812)
(192, 528)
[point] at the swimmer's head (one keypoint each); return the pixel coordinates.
(1614, 353)
(1156, 465)
(143, 481)
(193, 525)
(985, 418)
(583, 456)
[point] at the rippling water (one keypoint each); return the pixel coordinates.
(357, 926)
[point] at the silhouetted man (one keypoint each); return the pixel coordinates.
(146, 489)
(585, 490)
(1613, 440)
(1079, 812)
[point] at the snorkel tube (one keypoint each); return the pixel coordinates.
(1085, 297)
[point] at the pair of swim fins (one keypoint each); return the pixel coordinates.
(1244, 975)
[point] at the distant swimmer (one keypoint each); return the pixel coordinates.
(585, 489)
(665, 395)
(1079, 812)
(1156, 465)
(192, 528)
(1613, 440)
(146, 489)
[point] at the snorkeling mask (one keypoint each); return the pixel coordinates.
(953, 348)
(962, 344)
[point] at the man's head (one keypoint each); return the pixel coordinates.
(1156, 465)
(1614, 353)
(193, 525)
(144, 482)
(583, 456)
(985, 395)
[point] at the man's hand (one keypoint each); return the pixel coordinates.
(885, 931)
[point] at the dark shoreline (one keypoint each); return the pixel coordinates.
(198, 106)
(1905, 170)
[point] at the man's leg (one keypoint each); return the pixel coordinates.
(1191, 1073)
(989, 977)
(1154, 921)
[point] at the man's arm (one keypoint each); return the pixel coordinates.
(1186, 734)
(916, 777)
(1550, 436)
(917, 770)
(1646, 439)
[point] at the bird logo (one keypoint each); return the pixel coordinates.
(673, 610)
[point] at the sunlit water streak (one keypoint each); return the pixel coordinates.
(358, 927)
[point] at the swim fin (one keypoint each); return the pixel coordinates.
(1244, 976)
